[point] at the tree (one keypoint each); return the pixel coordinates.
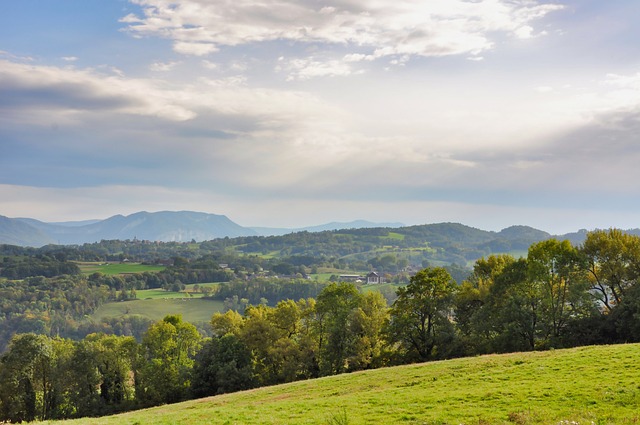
(512, 311)
(334, 307)
(222, 365)
(168, 348)
(613, 264)
(420, 318)
(471, 303)
(25, 373)
(556, 275)
(366, 324)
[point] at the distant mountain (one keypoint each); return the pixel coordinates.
(357, 224)
(15, 232)
(166, 226)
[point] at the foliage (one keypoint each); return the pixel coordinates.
(420, 317)
(164, 369)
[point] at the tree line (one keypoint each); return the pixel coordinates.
(558, 296)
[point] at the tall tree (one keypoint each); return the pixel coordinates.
(471, 303)
(25, 373)
(223, 365)
(335, 305)
(421, 316)
(613, 263)
(556, 275)
(168, 348)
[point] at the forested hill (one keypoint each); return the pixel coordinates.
(442, 242)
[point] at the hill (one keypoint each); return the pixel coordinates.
(588, 385)
(334, 225)
(165, 226)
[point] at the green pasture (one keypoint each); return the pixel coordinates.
(154, 294)
(118, 268)
(192, 309)
(583, 386)
(379, 286)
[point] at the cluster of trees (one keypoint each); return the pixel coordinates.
(50, 378)
(40, 265)
(60, 305)
(45, 377)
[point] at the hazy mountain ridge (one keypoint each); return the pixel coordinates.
(184, 226)
(165, 226)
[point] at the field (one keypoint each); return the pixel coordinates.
(589, 385)
(191, 309)
(117, 268)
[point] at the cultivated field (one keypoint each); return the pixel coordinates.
(590, 385)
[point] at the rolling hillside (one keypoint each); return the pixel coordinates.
(589, 385)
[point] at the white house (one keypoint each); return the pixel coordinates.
(374, 278)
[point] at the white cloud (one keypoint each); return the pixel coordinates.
(196, 49)
(384, 27)
(163, 66)
(305, 69)
(69, 58)
(210, 65)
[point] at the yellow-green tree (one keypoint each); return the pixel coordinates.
(168, 349)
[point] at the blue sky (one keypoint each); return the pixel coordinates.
(291, 113)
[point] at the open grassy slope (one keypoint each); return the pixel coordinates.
(191, 309)
(117, 268)
(590, 385)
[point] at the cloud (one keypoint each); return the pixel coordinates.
(65, 91)
(195, 49)
(383, 28)
(305, 69)
(163, 66)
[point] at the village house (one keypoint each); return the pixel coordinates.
(374, 278)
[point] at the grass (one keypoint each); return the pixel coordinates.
(379, 286)
(191, 309)
(117, 268)
(589, 385)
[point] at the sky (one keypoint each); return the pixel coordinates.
(289, 113)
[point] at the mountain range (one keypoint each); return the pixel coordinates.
(165, 226)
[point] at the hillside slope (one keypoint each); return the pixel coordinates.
(589, 385)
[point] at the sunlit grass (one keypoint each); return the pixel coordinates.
(590, 385)
(191, 309)
(117, 268)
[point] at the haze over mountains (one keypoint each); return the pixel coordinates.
(184, 226)
(166, 226)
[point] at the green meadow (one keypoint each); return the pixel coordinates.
(588, 385)
(117, 268)
(192, 309)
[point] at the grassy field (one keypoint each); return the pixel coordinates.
(192, 309)
(590, 385)
(117, 268)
